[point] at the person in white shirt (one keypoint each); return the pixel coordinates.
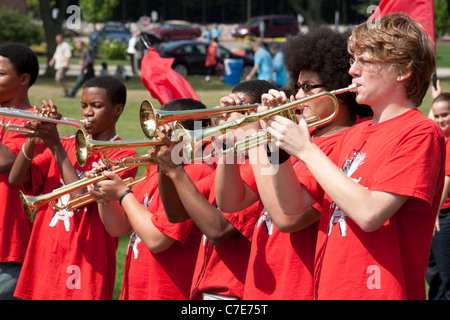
(60, 61)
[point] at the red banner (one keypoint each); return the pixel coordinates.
(420, 10)
(164, 83)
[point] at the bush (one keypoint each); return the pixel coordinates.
(15, 27)
(113, 49)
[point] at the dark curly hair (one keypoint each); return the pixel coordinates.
(324, 51)
(254, 89)
(115, 89)
(22, 58)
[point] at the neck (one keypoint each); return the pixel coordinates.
(19, 102)
(384, 113)
(341, 122)
(105, 135)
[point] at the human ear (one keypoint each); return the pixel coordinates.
(404, 74)
(25, 79)
(118, 109)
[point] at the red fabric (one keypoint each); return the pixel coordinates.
(221, 269)
(166, 275)
(70, 255)
(15, 229)
(211, 58)
(390, 262)
(446, 205)
(419, 10)
(164, 83)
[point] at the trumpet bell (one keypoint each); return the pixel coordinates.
(28, 207)
(148, 119)
(151, 118)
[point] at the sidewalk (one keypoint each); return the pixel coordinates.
(75, 69)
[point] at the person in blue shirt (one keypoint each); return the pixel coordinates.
(263, 63)
(280, 76)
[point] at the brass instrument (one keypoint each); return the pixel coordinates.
(31, 204)
(85, 147)
(193, 139)
(151, 118)
(30, 115)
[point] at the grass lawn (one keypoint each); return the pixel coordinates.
(129, 128)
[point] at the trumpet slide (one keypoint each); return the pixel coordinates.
(85, 147)
(29, 115)
(151, 118)
(31, 204)
(193, 139)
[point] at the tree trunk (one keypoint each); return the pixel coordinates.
(52, 27)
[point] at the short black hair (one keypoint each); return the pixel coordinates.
(115, 89)
(254, 89)
(186, 104)
(324, 50)
(22, 58)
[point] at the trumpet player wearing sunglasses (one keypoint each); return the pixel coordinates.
(70, 255)
(19, 69)
(384, 178)
(282, 254)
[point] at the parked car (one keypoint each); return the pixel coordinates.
(176, 30)
(274, 26)
(116, 31)
(190, 56)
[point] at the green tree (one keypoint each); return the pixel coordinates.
(52, 26)
(441, 17)
(15, 27)
(97, 10)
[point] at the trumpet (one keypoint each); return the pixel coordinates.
(31, 204)
(30, 115)
(195, 138)
(85, 147)
(151, 118)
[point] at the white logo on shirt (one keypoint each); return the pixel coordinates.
(268, 221)
(134, 238)
(64, 215)
(338, 216)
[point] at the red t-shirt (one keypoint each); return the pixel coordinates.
(70, 256)
(221, 269)
(446, 205)
(166, 275)
(281, 264)
(15, 229)
(404, 155)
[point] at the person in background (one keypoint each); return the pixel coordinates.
(19, 70)
(61, 62)
(438, 272)
(263, 63)
(94, 41)
(280, 76)
(104, 71)
(212, 58)
(131, 51)
(87, 68)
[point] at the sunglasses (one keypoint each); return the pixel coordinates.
(306, 88)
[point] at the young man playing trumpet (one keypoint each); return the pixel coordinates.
(161, 255)
(70, 255)
(282, 256)
(384, 179)
(19, 69)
